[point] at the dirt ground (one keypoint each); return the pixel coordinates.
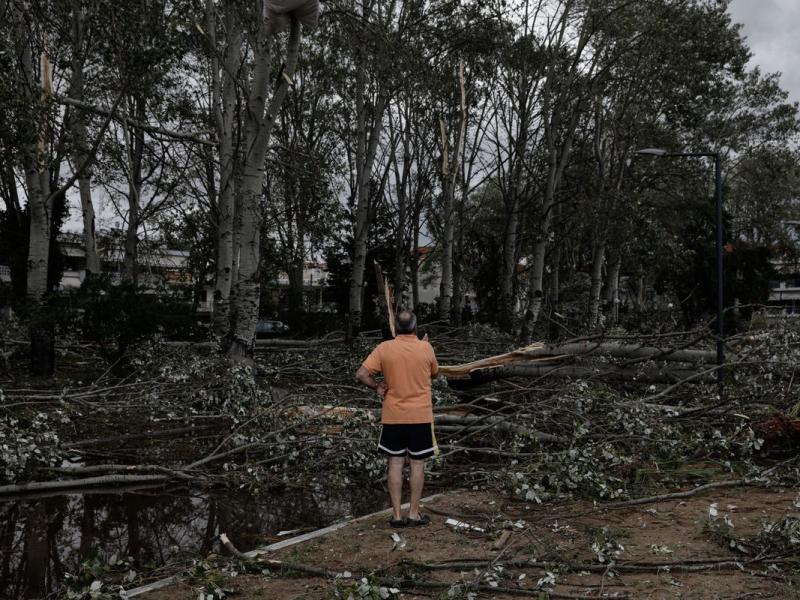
(555, 535)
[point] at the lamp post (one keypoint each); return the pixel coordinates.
(660, 152)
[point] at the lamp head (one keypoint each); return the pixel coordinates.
(652, 152)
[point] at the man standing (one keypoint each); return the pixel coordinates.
(407, 364)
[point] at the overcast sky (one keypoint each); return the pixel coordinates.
(771, 28)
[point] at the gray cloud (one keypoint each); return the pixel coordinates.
(771, 28)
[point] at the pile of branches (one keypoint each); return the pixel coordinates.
(540, 422)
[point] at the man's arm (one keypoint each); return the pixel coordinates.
(364, 376)
(434, 362)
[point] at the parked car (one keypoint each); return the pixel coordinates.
(271, 328)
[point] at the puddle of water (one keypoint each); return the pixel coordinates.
(42, 539)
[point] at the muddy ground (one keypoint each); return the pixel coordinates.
(555, 535)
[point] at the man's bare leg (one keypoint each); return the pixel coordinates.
(416, 481)
(395, 481)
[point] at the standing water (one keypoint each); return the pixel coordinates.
(42, 540)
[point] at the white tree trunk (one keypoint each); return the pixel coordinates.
(39, 244)
(508, 273)
(446, 285)
(560, 119)
(449, 180)
(508, 269)
(362, 225)
(224, 107)
(258, 127)
(415, 260)
(37, 179)
(400, 244)
(613, 287)
(598, 259)
(134, 154)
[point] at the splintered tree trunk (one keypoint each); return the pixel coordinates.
(258, 126)
(598, 258)
(224, 106)
(42, 335)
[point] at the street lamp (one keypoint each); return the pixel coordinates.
(660, 152)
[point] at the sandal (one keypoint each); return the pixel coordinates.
(422, 521)
(398, 523)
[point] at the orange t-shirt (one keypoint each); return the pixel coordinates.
(407, 364)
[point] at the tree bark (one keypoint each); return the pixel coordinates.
(650, 375)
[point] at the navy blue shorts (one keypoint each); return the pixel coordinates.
(415, 440)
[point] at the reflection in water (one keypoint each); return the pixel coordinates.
(42, 539)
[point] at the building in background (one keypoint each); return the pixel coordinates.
(169, 271)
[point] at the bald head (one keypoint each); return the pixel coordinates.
(406, 322)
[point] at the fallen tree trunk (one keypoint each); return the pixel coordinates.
(446, 422)
(262, 345)
(138, 436)
(627, 351)
(66, 484)
(537, 357)
(658, 375)
(463, 370)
